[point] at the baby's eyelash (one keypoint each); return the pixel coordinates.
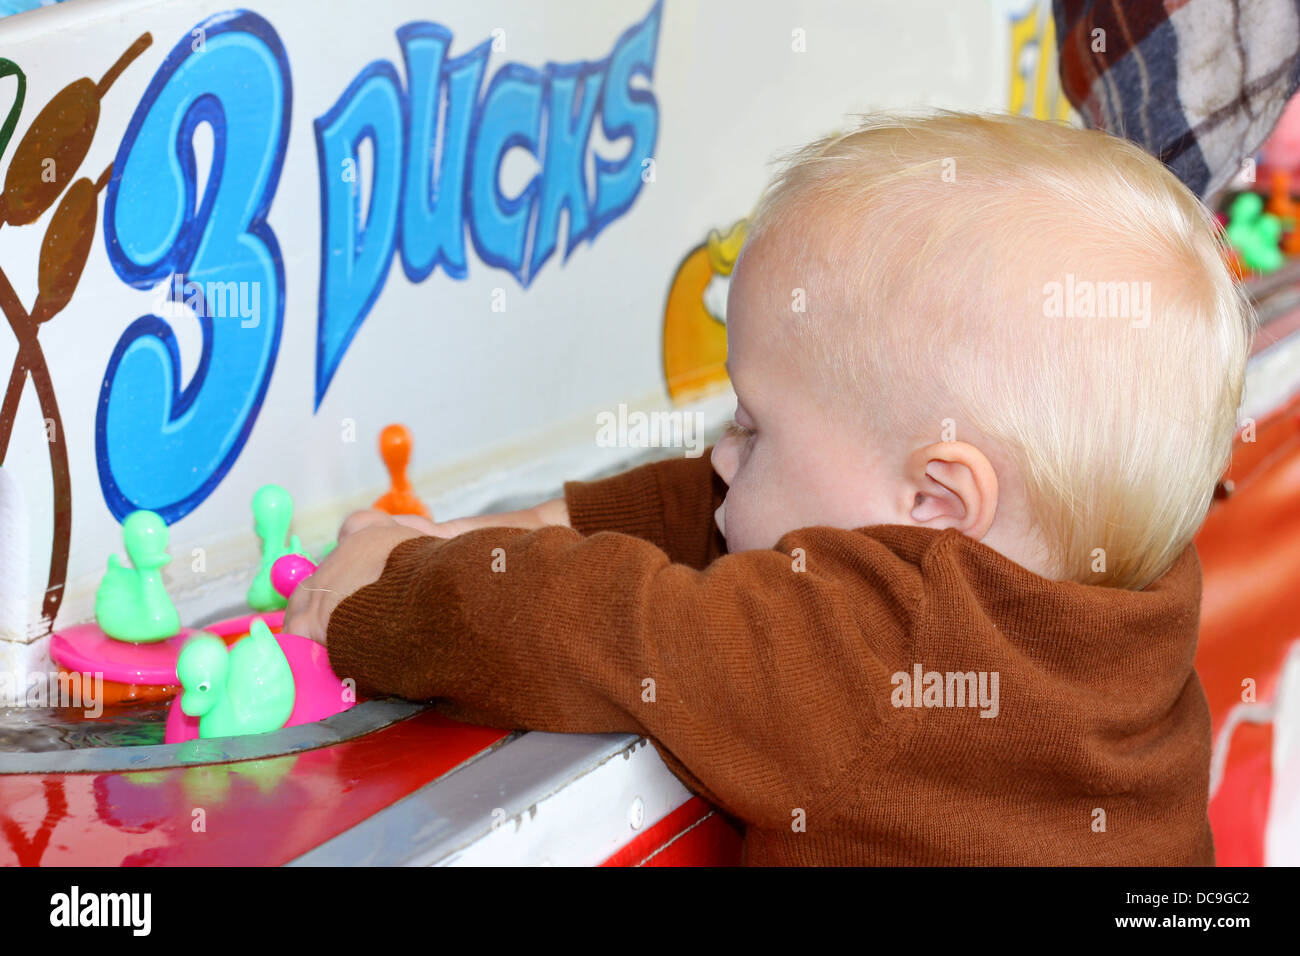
(735, 430)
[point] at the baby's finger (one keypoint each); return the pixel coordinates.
(295, 620)
(304, 624)
(419, 522)
(457, 526)
(363, 519)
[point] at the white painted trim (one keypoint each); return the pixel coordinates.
(587, 821)
(15, 557)
(540, 799)
(1282, 830)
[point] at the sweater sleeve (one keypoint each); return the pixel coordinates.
(721, 668)
(668, 503)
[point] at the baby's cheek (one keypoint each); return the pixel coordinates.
(747, 523)
(730, 519)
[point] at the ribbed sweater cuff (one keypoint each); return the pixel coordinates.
(355, 647)
(629, 503)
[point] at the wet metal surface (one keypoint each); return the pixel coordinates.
(45, 723)
(42, 729)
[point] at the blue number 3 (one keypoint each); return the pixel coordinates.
(159, 446)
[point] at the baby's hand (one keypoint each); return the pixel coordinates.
(367, 519)
(358, 560)
(554, 512)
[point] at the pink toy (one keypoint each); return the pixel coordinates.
(136, 671)
(88, 649)
(290, 571)
(1282, 148)
(318, 693)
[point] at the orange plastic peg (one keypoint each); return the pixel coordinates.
(1284, 207)
(395, 449)
(1235, 266)
(1280, 202)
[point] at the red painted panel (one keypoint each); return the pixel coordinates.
(1250, 557)
(253, 813)
(715, 842)
(692, 835)
(1239, 810)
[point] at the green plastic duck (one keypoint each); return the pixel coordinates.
(132, 604)
(272, 513)
(247, 689)
(1255, 233)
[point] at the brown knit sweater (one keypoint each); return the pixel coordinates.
(766, 679)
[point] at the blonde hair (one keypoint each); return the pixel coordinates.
(954, 250)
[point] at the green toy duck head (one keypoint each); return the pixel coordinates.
(202, 669)
(1255, 233)
(131, 603)
(145, 536)
(1246, 207)
(272, 513)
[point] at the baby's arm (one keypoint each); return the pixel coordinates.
(553, 512)
(668, 503)
(724, 669)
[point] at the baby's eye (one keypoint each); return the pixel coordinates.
(735, 430)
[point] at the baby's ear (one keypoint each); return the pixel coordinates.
(954, 486)
(940, 499)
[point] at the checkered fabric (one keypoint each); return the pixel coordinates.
(1199, 83)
